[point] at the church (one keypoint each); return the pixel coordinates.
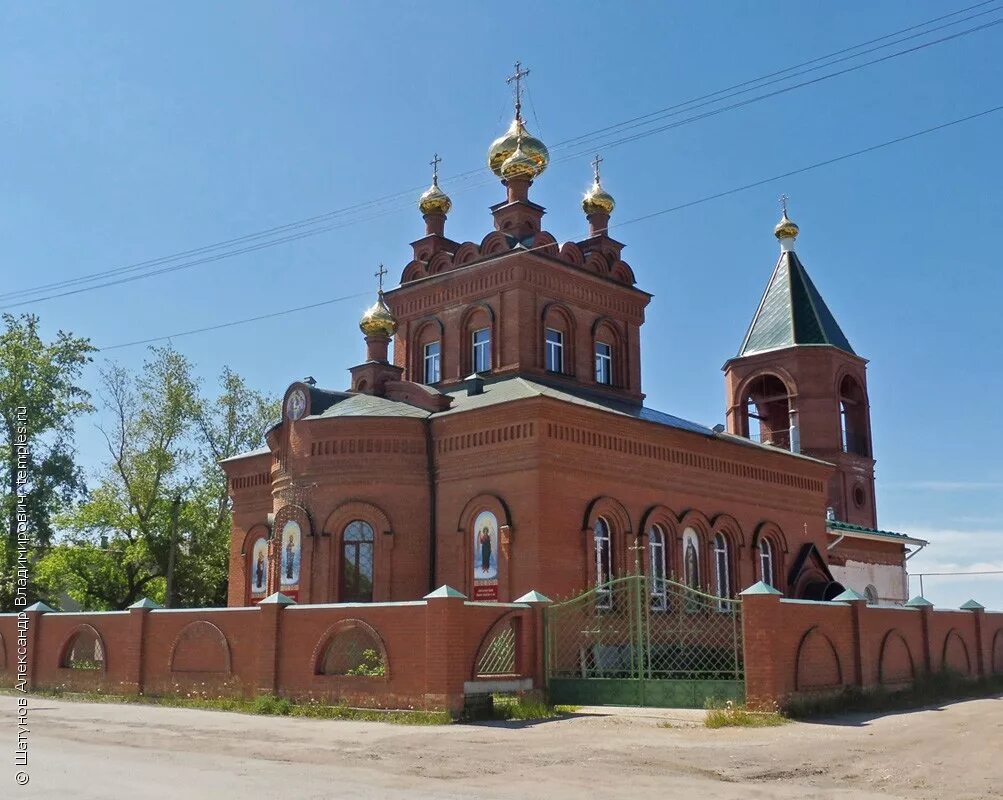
(506, 445)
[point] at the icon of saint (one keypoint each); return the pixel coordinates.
(289, 558)
(259, 571)
(485, 542)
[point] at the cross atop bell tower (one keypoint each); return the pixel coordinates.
(516, 78)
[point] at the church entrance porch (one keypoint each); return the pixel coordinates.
(644, 642)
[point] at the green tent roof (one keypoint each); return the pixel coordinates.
(792, 312)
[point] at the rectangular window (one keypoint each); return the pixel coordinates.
(433, 371)
(554, 351)
(604, 363)
(481, 350)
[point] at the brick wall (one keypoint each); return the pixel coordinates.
(429, 649)
(801, 648)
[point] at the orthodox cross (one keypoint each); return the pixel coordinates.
(637, 547)
(595, 166)
(783, 203)
(379, 275)
(434, 163)
(520, 73)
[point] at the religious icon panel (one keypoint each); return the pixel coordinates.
(485, 561)
(259, 569)
(289, 561)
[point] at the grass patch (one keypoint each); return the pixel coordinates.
(507, 706)
(932, 689)
(263, 705)
(733, 715)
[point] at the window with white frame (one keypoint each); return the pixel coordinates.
(721, 569)
(604, 562)
(433, 362)
(480, 352)
(766, 562)
(554, 350)
(656, 568)
(604, 363)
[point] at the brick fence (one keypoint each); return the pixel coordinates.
(797, 648)
(432, 653)
(421, 654)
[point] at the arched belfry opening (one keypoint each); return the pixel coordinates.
(766, 407)
(853, 418)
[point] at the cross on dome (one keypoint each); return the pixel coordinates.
(516, 78)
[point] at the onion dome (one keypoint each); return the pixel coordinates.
(504, 147)
(519, 165)
(378, 319)
(786, 228)
(597, 200)
(434, 200)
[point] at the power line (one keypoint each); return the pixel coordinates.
(651, 215)
(206, 255)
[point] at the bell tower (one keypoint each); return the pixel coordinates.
(797, 384)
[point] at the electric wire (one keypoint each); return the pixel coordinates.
(384, 201)
(624, 223)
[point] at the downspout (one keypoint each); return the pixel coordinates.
(432, 504)
(831, 546)
(910, 555)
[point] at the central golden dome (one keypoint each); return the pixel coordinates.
(378, 319)
(504, 146)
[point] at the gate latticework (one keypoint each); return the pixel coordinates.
(635, 641)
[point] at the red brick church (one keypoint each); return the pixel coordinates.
(506, 447)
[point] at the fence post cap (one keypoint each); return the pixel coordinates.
(277, 599)
(445, 591)
(534, 596)
(40, 607)
(972, 605)
(919, 602)
(145, 602)
(848, 596)
(759, 587)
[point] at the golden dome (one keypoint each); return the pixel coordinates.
(504, 146)
(519, 165)
(378, 319)
(597, 200)
(786, 229)
(434, 200)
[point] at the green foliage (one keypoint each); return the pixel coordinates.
(521, 707)
(41, 377)
(734, 715)
(164, 443)
(370, 665)
(266, 705)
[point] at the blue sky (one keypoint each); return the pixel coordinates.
(133, 131)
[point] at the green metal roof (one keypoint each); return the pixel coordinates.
(836, 527)
(792, 312)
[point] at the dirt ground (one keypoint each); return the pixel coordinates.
(85, 750)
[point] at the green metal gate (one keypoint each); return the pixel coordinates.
(639, 642)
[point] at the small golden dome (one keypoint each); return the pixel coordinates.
(597, 200)
(519, 165)
(378, 319)
(504, 146)
(786, 229)
(434, 200)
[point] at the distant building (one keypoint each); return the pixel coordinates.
(507, 447)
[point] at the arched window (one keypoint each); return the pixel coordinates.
(357, 563)
(432, 361)
(767, 412)
(604, 562)
(853, 417)
(766, 562)
(558, 340)
(480, 350)
(656, 568)
(554, 350)
(723, 579)
(604, 363)
(871, 593)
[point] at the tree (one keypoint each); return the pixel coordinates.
(40, 400)
(164, 443)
